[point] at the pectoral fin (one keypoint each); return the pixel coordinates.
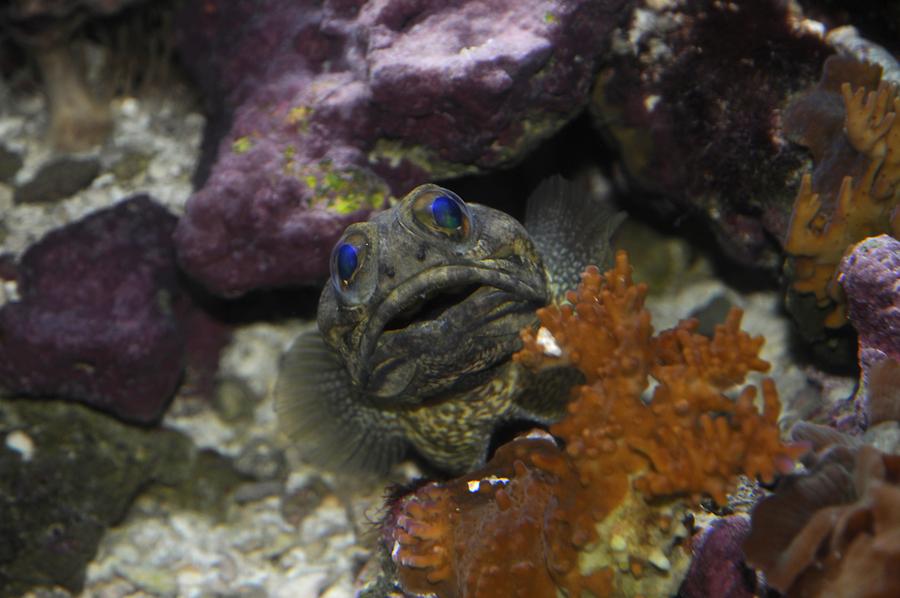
(334, 424)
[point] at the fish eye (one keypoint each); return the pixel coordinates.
(346, 259)
(442, 211)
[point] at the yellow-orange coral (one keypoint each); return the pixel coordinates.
(865, 205)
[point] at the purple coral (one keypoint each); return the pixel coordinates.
(98, 315)
(335, 105)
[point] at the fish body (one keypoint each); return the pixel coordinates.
(417, 325)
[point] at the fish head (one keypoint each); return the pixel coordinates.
(429, 296)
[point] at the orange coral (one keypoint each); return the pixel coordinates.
(867, 199)
(539, 514)
(690, 438)
(500, 531)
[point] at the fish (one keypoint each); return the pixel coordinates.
(417, 325)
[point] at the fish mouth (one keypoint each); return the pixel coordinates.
(432, 306)
(444, 295)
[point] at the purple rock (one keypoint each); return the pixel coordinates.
(98, 315)
(333, 106)
(870, 276)
(718, 567)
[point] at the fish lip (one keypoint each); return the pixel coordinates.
(528, 288)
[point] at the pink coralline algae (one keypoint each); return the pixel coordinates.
(99, 314)
(870, 277)
(333, 106)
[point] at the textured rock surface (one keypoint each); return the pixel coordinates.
(870, 276)
(693, 97)
(58, 179)
(98, 315)
(718, 567)
(66, 474)
(333, 106)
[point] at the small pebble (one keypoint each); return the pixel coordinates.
(22, 443)
(659, 560)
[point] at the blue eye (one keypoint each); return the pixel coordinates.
(347, 261)
(353, 265)
(441, 211)
(447, 213)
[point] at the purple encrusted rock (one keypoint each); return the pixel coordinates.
(718, 568)
(870, 277)
(97, 318)
(333, 106)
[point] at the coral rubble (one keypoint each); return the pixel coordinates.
(333, 106)
(848, 122)
(834, 530)
(612, 500)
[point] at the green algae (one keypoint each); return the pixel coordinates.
(343, 191)
(242, 145)
(531, 131)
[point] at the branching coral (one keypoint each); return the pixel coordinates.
(690, 438)
(558, 514)
(835, 530)
(864, 156)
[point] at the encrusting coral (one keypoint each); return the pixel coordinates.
(629, 460)
(505, 530)
(863, 157)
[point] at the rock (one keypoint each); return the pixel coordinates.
(10, 163)
(335, 105)
(693, 96)
(870, 277)
(718, 568)
(58, 179)
(98, 319)
(83, 471)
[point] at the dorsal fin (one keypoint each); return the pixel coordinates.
(572, 228)
(334, 425)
